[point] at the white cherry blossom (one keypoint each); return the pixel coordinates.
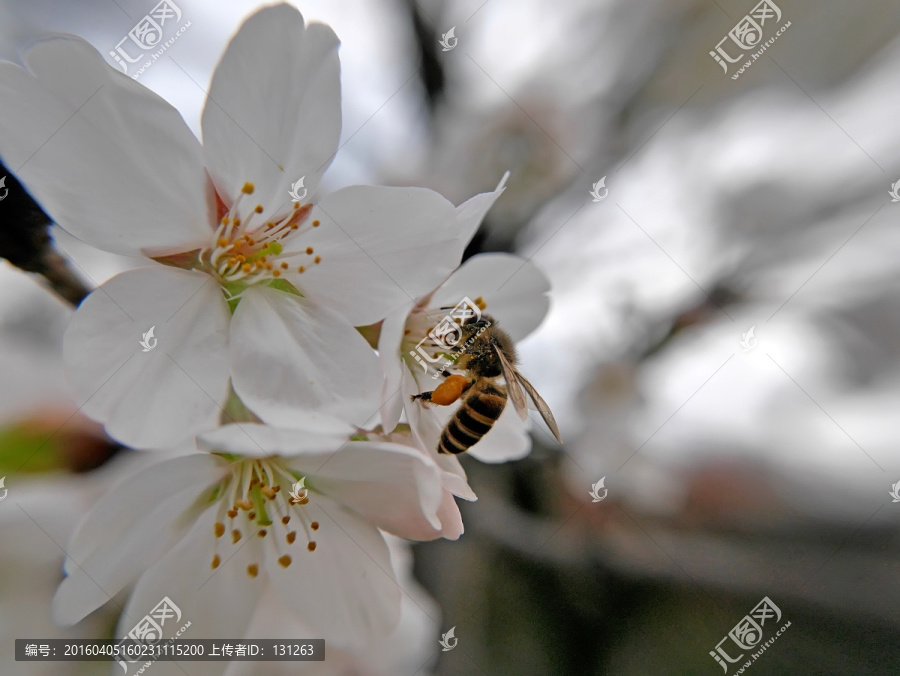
(217, 532)
(246, 289)
(514, 292)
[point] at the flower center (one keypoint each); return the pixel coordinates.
(263, 496)
(244, 253)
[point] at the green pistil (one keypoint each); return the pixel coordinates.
(259, 502)
(271, 249)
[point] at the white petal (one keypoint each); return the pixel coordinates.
(451, 519)
(126, 531)
(154, 398)
(109, 160)
(514, 289)
(392, 365)
(508, 439)
(218, 603)
(316, 434)
(471, 213)
(426, 420)
(346, 588)
(289, 354)
(380, 248)
(427, 424)
(274, 108)
(393, 486)
(454, 476)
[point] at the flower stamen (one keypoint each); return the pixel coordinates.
(242, 252)
(256, 487)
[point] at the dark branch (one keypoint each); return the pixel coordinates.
(26, 243)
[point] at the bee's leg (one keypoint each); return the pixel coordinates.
(447, 392)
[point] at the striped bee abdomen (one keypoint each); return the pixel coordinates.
(474, 419)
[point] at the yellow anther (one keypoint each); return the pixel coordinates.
(248, 188)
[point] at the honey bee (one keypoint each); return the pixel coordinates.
(487, 353)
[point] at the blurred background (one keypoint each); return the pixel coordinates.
(722, 350)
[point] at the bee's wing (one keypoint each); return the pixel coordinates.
(542, 406)
(512, 384)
